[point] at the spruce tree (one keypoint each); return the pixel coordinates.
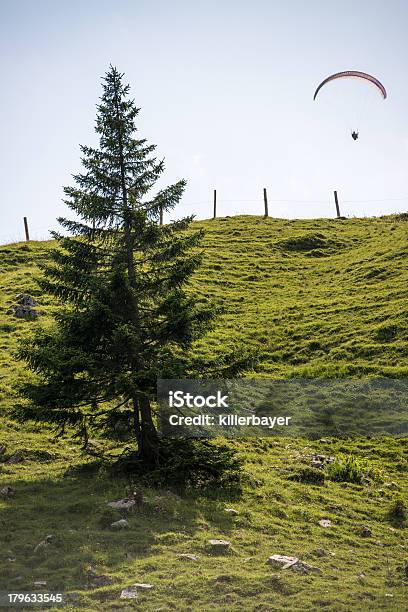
(126, 316)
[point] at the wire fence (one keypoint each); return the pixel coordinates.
(216, 207)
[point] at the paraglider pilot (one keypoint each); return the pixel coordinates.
(354, 135)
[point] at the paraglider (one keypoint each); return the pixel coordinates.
(353, 74)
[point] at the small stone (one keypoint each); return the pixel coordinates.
(187, 557)
(7, 491)
(121, 524)
(129, 593)
(388, 595)
(325, 522)
(24, 299)
(304, 568)
(321, 552)
(24, 312)
(122, 504)
(219, 544)
(284, 562)
(281, 561)
(231, 511)
(2, 449)
(15, 458)
(132, 591)
(365, 532)
(40, 583)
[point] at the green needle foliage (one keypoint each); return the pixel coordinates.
(120, 275)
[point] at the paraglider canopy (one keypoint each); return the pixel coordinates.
(353, 74)
(368, 78)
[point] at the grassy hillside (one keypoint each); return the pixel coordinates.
(316, 298)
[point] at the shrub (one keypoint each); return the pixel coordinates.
(347, 468)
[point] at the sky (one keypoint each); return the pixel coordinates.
(226, 93)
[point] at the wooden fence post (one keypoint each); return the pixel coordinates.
(161, 215)
(215, 204)
(265, 196)
(336, 199)
(27, 235)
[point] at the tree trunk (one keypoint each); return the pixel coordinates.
(136, 420)
(149, 440)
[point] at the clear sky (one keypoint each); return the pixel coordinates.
(226, 92)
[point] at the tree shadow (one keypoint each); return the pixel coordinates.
(74, 510)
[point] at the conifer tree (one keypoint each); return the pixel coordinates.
(126, 317)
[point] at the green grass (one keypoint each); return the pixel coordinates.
(316, 298)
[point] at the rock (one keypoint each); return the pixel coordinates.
(122, 504)
(365, 532)
(281, 561)
(319, 461)
(44, 543)
(391, 485)
(305, 568)
(284, 562)
(16, 458)
(132, 591)
(121, 524)
(321, 552)
(188, 557)
(40, 583)
(325, 523)
(219, 544)
(231, 511)
(24, 299)
(7, 491)
(24, 312)
(129, 593)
